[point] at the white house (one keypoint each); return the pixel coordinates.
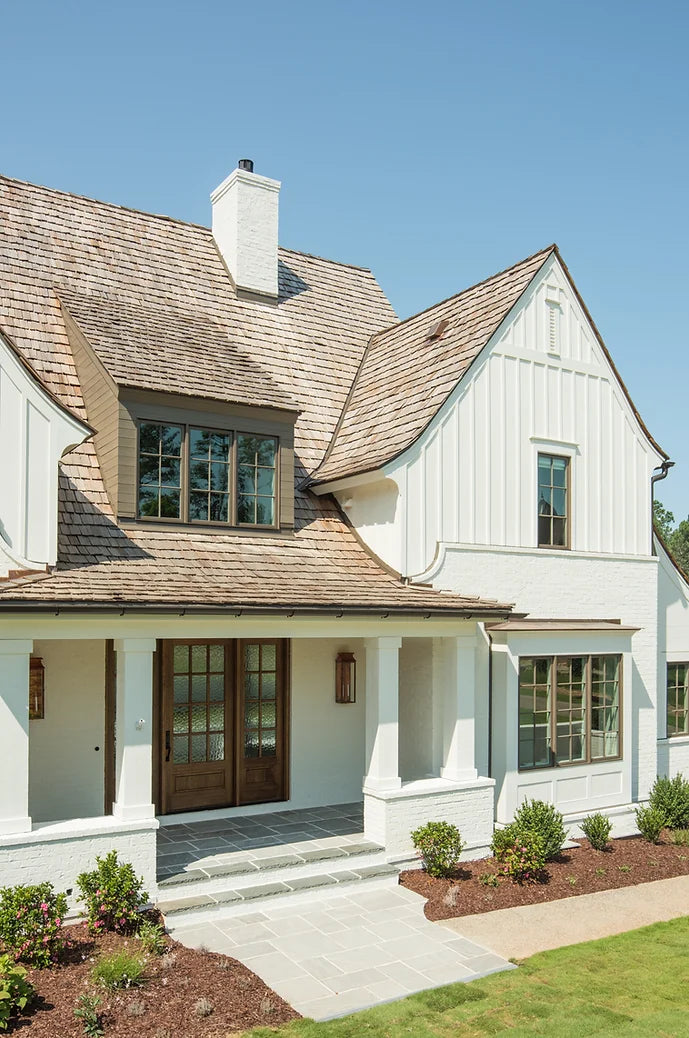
(262, 543)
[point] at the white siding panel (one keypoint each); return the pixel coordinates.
(471, 478)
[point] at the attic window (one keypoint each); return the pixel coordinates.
(438, 329)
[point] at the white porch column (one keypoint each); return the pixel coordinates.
(382, 713)
(459, 707)
(14, 736)
(134, 729)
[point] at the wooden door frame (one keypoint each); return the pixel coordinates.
(284, 646)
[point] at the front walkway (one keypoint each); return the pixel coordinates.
(224, 841)
(332, 955)
(520, 932)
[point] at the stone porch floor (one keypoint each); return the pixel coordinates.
(208, 844)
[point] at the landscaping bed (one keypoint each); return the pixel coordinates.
(574, 871)
(184, 992)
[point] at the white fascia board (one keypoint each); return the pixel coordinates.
(334, 486)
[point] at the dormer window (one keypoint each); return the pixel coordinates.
(200, 475)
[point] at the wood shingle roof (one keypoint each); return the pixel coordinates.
(158, 307)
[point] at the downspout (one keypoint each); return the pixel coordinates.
(665, 467)
(490, 703)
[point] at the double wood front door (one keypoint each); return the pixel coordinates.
(224, 726)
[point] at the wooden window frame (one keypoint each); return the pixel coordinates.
(568, 501)
(276, 507)
(185, 480)
(552, 724)
(685, 731)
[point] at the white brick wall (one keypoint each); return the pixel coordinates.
(390, 816)
(59, 856)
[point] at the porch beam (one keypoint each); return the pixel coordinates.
(134, 729)
(382, 713)
(459, 709)
(14, 736)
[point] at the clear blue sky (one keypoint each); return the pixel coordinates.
(435, 143)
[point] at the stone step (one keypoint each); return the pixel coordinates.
(246, 871)
(186, 909)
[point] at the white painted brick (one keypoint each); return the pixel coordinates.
(391, 816)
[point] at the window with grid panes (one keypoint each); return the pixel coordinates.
(569, 710)
(256, 472)
(553, 501)
(677, 699)
(190, 474)
(198, 730)
(260, 699)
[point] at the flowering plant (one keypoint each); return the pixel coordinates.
(113, 895)
(31, 923)
(524, 859)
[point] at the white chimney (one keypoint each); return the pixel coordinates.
(245, 228)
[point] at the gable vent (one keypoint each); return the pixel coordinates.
(437, 330)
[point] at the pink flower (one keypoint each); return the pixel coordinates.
(58, 922)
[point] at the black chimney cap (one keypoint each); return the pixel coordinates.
(246, 164)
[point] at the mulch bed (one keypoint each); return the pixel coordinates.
(163, 1007)
(579, 870)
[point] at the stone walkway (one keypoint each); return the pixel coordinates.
(330, 955)
(519, 932)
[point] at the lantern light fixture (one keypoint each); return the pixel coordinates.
(345, 678)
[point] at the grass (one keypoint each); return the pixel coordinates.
(600, 988)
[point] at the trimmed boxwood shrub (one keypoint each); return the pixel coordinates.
(671, 798)
(440, 846)
(544, 820)
(597, 828)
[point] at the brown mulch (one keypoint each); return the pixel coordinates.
(163, 1007)
(576, 871)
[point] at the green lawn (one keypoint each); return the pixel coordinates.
(635, 984)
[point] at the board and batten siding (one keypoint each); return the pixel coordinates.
(35, 431)
(542, 385)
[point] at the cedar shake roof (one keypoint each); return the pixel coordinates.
(409, 370)
(156, 303)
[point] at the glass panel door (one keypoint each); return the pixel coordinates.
(197, 710)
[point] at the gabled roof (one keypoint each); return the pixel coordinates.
(151, 293)
(409, 370)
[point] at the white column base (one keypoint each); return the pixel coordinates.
(10, 826)
(133, 812)
(377, 785)
(459, 774)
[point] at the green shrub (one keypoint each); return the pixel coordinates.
(597, 828)
(113, 895)
(15, 991)
(524, 860)
(31, 922)
(650, 822)
(680, 837)
(87, 1010)
(541, 819)
(152, 937)
(440, 846)
(119, 970)
(502, 839)
(671, 798)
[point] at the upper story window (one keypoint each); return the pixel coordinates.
(202, 475)
(677, 699)
(569, 709)
(553, 501)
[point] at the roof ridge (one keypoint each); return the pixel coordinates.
(163, 216)
(324, 259)
(100, 201)
(457, 295)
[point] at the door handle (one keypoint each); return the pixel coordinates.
(167, 745)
